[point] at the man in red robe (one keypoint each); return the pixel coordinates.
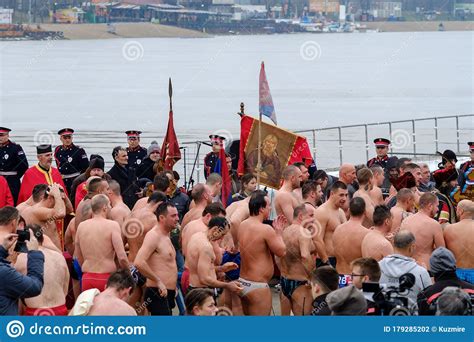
(43, 173)
(6, 197)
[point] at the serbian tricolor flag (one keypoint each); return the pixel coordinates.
(265, 103)
(280, 148)
(170, 153)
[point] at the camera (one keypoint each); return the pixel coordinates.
(23, 236)
(392, 300)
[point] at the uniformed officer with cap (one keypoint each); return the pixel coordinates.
(210, 160)
(466, 165)
(13, 163)
(381, 149)
(135, 152)
(71, 159)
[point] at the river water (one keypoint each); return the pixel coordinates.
(316, 80)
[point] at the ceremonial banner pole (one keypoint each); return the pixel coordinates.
(170, 93)
(259, 151)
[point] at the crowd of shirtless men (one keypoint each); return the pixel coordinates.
(322, 236)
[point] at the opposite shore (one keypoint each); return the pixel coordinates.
(150, 30)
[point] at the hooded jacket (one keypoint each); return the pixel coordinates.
(395, 265)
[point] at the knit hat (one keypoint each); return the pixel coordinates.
(97, 163)
(348, 301)
(442, 260)
(153, 147)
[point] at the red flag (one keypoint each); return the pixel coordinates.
(170, 153)
(226, 182)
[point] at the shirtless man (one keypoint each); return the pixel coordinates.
(201, 258)
(134, 229)
(98, 243)
(347, 175)
(379, 177)
(200, 225)
(36, 195)
(375, 244)
(52, 299)
(257, 242)
(297, 264)
(160, 183)
(45, 213)
(96, 186)
(459, 239)
(347, 240)
(285, 199)
(312, 193)
(428, 232)
(365, 179)
(119, 210)
(201, 196)
(330, 215)
(304, 178)
(113, 300)
(405, 207)
(156, 260)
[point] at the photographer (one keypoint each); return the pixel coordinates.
(14, 285)
(395, 265)
(443, 268)
(366, 270)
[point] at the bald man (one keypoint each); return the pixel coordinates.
(201, 196)
(285, 199)
(120, 211)
(428, 232)
(459, 239)
(405, 207)
(347, 175)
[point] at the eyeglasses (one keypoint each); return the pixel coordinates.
(357, 275)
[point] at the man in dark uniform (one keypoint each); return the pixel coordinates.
(383, 160)
(466, 166)
(13, 163)
(135, 152)
(125, 176)
(211, 159)
(70, 159)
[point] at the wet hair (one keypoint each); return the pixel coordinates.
(37, 231)
(8, 214)
(247, 178)
(301, 209)
(161, 182)
(299, 165)
(38, 192)
(98, 202)
(220, 222)
(403, 239)
(404, 194)
(163, 209)
(326, 277)
(213, 178)
(196, 297)
(427, 199)
(289, 172)
(121, 280)
(364, 175)
(157, 196)
(114, 186)
(308, 187)
(357, 207)
(116, 150)
(337, 185)
(381, 213)
(369, 267)
(214, 209)
(198, 192)
(257, 202)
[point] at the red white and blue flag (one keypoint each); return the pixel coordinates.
(265, 104)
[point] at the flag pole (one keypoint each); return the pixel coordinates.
(259, 151)
(170, 93)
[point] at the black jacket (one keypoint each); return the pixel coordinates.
(441, 282)
(145, 169)
(15, 286)
(125, 176)
(320, 306)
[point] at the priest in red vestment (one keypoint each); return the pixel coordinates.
(41, 173)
